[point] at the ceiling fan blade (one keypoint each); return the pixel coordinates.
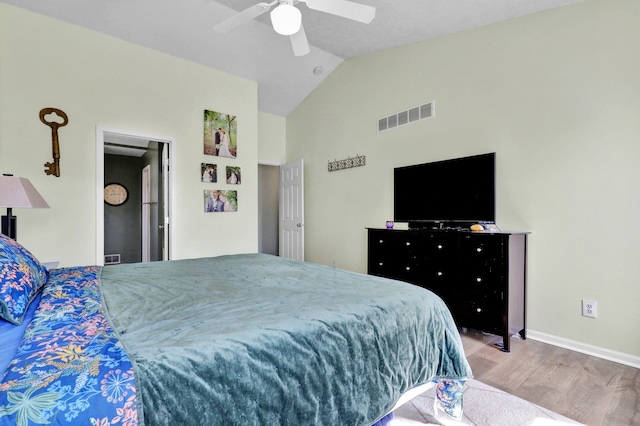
(241, 18)
(347, 9)
(299, 42)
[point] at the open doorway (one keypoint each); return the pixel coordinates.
(281, 209)
(140, 167)
(268, 193)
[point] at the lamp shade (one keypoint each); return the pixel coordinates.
(286, 19)
(17, 192)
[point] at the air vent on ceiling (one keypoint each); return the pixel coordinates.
(409, 116)
(111, 259)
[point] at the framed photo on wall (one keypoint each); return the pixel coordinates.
(217, 201)
(220, 134)
(208, 172)
(233, 175)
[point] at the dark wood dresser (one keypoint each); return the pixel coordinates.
(481, 276)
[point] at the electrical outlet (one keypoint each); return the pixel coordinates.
(589, 308)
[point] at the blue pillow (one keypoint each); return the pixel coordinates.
(21, 278)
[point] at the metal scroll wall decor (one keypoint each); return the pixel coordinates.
(357, 161)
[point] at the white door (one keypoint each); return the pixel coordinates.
(291, 223)
(146, 213)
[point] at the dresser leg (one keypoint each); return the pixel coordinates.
(504, 346)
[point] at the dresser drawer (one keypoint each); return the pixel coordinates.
(484, 313)
(397, 255)
(482, 249)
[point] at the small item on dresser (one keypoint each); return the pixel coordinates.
(389, 224)
(492, 227)
(477, 228)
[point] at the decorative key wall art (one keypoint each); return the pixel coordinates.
(54, 118)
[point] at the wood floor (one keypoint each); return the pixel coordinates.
(584, 388)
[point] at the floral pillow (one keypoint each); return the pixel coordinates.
(21, 278)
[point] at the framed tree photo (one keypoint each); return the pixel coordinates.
(220, 134)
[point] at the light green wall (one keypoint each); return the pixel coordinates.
(102, 81)
(557, 96)
(272, 130)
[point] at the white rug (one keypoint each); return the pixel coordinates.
(483, 405)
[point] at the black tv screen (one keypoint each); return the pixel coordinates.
(457, 190)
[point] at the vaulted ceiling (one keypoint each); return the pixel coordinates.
(255, 51)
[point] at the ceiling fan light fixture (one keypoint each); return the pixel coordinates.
(286, 19)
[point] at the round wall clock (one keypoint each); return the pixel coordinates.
(115, 194)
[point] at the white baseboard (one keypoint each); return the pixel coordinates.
(608, 354)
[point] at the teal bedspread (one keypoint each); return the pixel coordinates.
(259, 340)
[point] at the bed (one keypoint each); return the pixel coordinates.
(245, 339)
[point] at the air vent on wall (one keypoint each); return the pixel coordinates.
(111, 259)
(409, 116)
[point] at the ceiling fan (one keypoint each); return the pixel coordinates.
(287, 19)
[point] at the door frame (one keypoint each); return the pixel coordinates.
(146, 213)
(101, 131)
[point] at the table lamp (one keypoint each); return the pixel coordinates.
(17, 192)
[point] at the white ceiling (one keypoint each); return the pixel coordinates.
(125, 145)
(184, 28)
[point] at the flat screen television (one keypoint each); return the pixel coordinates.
(452, 192)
